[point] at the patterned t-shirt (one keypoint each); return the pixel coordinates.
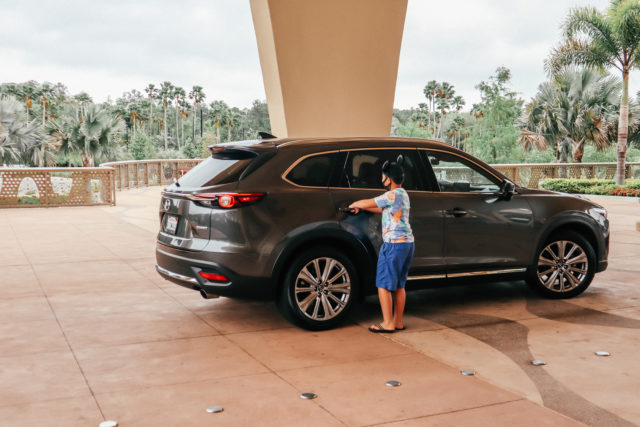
(395, 216)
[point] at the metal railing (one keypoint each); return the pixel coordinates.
(144, 173)
(48, 187)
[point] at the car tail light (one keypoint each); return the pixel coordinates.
(214, 277)
(228, 200)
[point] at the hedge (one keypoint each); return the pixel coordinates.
(605, 187)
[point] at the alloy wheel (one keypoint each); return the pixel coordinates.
(562, 266)
(322, 289)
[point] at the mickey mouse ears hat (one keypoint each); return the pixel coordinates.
(394, 170)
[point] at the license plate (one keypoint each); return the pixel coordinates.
(172, 224)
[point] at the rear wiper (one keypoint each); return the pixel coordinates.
(175, 181)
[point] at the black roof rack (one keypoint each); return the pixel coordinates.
(265, 135)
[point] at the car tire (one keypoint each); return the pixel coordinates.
(319, 289)
(565, 266)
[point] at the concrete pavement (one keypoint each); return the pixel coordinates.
(90, 332)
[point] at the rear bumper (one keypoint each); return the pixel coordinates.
(179, 268)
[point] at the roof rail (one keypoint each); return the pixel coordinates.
(265, 135)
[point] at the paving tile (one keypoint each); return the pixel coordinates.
(30, 337)
(166, 362)
(294, 348)
(356, 393)
(256, 400)
(519, 413)
(40, 377)
(25, 309)
(109, 332)
(75, 412)
(132, 305)
(18, 281)
(89, 276)
(234, 316)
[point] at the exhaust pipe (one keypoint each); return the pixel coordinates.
(206, 295)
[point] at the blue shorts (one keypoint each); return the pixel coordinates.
(393, 265)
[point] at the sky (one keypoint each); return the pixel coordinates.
(106, 48)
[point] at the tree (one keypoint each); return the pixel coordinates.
(197, 95)
(601, 40)
(152, 93)
(178, 94)
(92, 132)
(430, 91)
(166, 95)
(495, 133)
(573, 110)
(219, 113)
(22, 141)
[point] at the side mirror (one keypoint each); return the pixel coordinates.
(507, 190)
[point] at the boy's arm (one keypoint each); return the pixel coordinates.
(367, 205)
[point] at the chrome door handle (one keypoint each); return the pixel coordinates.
(456, 212)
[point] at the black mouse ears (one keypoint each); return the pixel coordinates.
(400, 160)
(385, 166)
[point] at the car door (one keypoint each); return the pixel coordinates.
(361, 179)
(483, 232)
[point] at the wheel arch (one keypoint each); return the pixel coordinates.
(355, 249)
(580, 224)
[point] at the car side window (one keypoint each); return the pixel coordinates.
(363, 169)
(455, 174)
(313, 171)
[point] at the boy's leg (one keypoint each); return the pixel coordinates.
(400, 298)
(386, 304)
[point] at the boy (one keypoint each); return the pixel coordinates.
(397, 250)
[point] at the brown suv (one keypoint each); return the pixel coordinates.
(267, 219)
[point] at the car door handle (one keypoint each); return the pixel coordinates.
(456, 212)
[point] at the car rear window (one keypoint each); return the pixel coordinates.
(220, 168)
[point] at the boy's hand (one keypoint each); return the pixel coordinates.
(354, 208)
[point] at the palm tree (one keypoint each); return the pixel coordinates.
(602, 40)
(166, 94)
(197, 95)
(92, 132)
(430, 91)
(178, 94)
(152, 93)
(571, 111)
(219, 113)
(21, 140)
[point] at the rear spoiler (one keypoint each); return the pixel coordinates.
(243, 153)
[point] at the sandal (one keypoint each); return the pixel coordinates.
(378, 329)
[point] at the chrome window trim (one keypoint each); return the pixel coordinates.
(487, 272)
(427, 277)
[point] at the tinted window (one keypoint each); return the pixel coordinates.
(217, 169)
(363, 169)
(313, 171)
(455, 174)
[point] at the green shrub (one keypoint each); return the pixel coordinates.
(606, 187)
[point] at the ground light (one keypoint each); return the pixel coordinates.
(393, 383)
(468, 372)
(215, 409)
(308, 396)
(538, 362)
